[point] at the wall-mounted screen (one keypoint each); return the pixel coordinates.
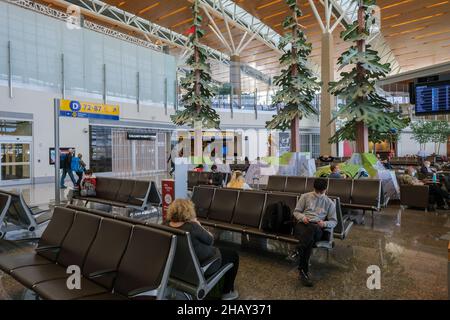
(432, 98)
(52, 156)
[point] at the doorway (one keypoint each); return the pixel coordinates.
(16, 144)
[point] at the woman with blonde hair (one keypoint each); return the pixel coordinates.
(181, 215)
(238, 181)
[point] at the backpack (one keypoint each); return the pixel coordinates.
(278, 218)
(76, 165)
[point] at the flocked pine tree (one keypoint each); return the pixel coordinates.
(297, 83)
(197, 112)
(366, 115)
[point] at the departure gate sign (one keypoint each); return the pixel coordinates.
(80, 109)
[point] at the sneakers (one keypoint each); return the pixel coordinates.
(305, 279)
(232, 295)
(63, 187)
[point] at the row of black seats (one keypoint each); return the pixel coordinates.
(203, 178)
(243, 211)
(119, 258)
(118, 192)
(364, 194)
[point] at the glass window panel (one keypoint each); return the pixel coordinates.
(74, 59)
(113, 60)
(145, 74)
(15, 128)
(129, 69)
(49, 51)
(12, 153)
(3, 41)
(93, 65)
(158, 77)
(13, 172)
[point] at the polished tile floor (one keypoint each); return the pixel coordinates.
(409, 247)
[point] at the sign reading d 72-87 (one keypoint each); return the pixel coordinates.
(80, 109)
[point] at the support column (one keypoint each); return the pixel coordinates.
(328, 104)
(362, 140)
(295, 135)
(235, 76)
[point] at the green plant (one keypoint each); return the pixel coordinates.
(420, 133)
(297, 83)
(363, 106)
(197, 82)
(440, 131)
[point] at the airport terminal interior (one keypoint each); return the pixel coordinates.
(225, 149)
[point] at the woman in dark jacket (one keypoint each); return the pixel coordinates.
(181, 215)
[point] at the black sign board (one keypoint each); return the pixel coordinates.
(141, 136)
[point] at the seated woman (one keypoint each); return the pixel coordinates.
(181, 215)
(238, 182)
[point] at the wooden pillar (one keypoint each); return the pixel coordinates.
(362, 134)
(328, 104)
(295, 135)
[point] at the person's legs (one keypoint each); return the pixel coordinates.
(229, 256)
(70, 172)
(80, 177)
(307, 234)
(436, 193)
(63, 177)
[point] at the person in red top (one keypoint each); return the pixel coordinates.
(88, 184)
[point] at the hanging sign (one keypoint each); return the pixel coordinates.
(79, 109)
(141, 136)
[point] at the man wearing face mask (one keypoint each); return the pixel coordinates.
(315, 213)
(435, 192)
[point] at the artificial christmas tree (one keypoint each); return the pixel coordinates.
(197, 112)
(365, 113)
(297, 82)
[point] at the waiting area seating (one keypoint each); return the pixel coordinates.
(120, 258)
(363, 194)
(203, 178)
(15, 214)
(243, 210)
(137, 194)
(416, 196)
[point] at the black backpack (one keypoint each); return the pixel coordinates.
(278, 218)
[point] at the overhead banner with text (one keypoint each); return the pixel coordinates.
(80, 109)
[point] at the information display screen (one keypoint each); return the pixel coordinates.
(433, 98)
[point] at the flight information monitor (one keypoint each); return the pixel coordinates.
(433, 98)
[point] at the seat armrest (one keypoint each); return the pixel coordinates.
(144, 291)
(101, 273)
(205, 265)
(47, 248)
(214, 279)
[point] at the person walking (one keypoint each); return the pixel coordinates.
(66, 167)
(79, 167)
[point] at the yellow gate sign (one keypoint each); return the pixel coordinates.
(80, 109)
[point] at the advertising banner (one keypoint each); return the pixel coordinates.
(168, 195)
(79, 109)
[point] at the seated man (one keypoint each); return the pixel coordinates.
(314, 213)
(216, 177)
(436, 193)
(426, 169)
(335, 172)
